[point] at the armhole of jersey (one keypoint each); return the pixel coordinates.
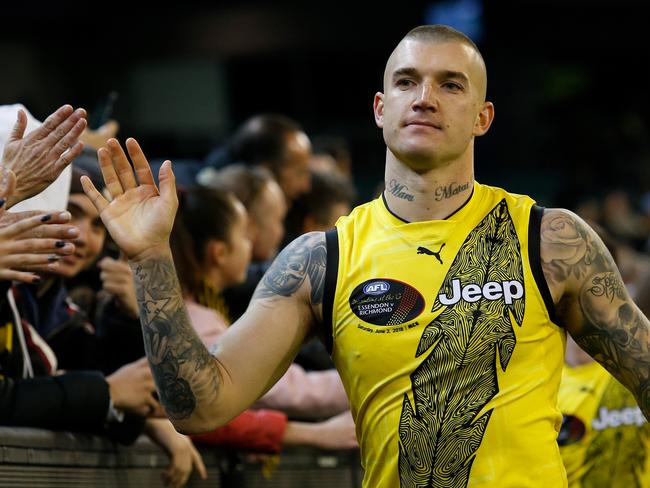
(331, 276)
(534, 256)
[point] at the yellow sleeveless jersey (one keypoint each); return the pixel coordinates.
(442, 335)
(605, 440)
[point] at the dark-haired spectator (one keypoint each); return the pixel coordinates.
(273, 141)
(330, 197)
(256, 188)
(30, 392)
(330, 150)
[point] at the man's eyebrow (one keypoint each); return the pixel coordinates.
(446, 74)
(458, 75)
(407, 71)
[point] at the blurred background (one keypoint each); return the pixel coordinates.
(569, 79)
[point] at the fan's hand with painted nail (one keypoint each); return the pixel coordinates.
(30, 242)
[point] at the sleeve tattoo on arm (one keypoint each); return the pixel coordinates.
(306, 257)
(182, 367)
(606, 323)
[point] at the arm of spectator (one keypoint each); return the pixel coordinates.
(76, 401)
(335, 433)
(132, 389)
(252, 430)
(183, 456)
(307, 394)
(38, 158)
(117, 279)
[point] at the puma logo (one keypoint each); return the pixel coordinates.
(424, 250)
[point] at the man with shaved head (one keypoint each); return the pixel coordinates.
(445, 302)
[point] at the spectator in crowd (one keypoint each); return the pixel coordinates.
(76, 346)
(272, 141)
(265, 205)
(330, 197)
(32, 242)
(211, 249)
(623, 221)
(331, 153)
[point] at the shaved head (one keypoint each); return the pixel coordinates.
(441, 34)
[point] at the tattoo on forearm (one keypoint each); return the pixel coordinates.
(306, 257)
(400, 190)
(183, 369)
(606, 323)
(448, 191)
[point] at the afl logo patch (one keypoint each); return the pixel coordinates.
(376, 288)
(386, 302)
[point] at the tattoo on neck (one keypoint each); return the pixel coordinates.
(400, 190)
(184, 371)
(448, 191)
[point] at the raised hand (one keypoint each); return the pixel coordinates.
(30, 242)
(39, 158)
(139, 218)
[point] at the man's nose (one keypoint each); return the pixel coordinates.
(426, 99)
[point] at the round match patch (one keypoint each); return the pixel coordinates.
(386, 302)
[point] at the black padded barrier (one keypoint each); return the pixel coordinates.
(41, 458)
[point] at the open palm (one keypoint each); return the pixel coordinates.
(139, 217)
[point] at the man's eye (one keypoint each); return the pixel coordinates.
(404, 83)
(453, 86)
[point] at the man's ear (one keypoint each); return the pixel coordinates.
(378, 109)
(216, 252)
(484, 119)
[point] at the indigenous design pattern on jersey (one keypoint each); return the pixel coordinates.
(618, 442)
(440, 434)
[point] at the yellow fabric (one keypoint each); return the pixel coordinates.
(614, 450)
(6, 338)
(489, 370)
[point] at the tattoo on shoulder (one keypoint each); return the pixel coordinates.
(306, 257)
(569, 249)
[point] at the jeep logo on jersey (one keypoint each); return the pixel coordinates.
(492, 290)
(376, 288)
(386, 302)
(616, 418)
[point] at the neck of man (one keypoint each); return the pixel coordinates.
(434, 194)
